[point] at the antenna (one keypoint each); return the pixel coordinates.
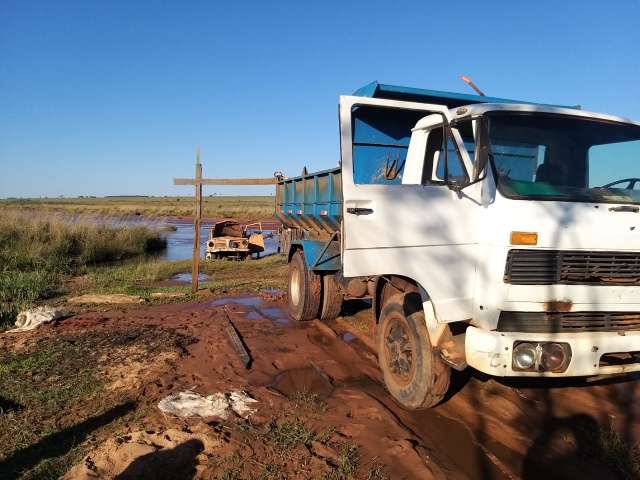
(469, 82)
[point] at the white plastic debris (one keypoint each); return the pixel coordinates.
(33, 318)
(191, 404)
(240, 402)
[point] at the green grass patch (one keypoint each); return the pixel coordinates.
(38, 252)
(288, 433)
(347, 462)
(134, 277)
(140, 277)
(309, 400)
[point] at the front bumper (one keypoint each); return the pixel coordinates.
(491, 351)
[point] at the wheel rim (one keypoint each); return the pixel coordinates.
(399, 349)
(294, 286)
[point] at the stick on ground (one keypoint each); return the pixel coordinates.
(236, 342)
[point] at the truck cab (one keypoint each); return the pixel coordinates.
(495, 234)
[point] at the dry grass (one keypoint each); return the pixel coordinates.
(247, 208)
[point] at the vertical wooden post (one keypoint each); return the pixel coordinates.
(195, 269)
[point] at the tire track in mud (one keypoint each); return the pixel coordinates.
(446, 446)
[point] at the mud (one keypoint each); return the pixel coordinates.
(485, 429)
(303, 380)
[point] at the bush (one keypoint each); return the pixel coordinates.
(36, 252)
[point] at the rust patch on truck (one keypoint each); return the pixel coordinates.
(558, 306)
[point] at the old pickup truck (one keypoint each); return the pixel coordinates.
(497, 234)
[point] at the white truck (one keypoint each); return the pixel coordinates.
(490, 233)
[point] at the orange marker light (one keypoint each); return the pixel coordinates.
(524, 238)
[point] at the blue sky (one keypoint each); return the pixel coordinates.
(103, 98)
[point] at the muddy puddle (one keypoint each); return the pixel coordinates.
(306, 380)
(348, 337)
(255, 308)
(185, 278)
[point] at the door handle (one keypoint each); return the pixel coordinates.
(360, 211)
(625, 208)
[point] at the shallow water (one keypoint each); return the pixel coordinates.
(258, 309)
(348, 337)
(185, 277)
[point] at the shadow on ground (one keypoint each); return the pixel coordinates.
(178, 462)
(59, 443)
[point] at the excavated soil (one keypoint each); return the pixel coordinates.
(325, 376)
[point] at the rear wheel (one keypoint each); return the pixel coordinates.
(304, 289)
(413, 372)
(332, 298)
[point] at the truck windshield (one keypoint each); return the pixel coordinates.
(559, 157)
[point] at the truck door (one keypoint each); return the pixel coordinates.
(422, 230)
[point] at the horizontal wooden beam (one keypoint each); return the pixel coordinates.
(226, 181)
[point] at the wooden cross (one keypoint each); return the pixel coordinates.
(198, 182)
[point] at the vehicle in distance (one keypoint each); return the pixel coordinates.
(230, 239)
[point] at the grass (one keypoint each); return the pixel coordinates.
(347, 462)
(285, 435)
(140, 277)
(244, 207)
(288, 433)
(267, 272)
(37, 252)
(308, 400)
(53, 396)
(611, 449)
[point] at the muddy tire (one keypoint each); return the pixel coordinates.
(332, 298)
(304, 289)
(413, 372)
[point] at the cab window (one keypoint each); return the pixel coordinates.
(434, 165)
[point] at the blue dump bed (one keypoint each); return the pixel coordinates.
(311, 201)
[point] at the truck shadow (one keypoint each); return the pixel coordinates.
(553, 428)
(577, 446)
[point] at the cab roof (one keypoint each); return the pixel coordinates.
(470, 111)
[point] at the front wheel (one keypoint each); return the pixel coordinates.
(304, 289)
(413, 372)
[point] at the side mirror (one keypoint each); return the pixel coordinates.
(455, 184)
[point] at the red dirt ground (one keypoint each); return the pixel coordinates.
(486, 428)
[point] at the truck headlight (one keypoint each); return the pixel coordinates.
(524, 356)
(541, 356)
(555, 357)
